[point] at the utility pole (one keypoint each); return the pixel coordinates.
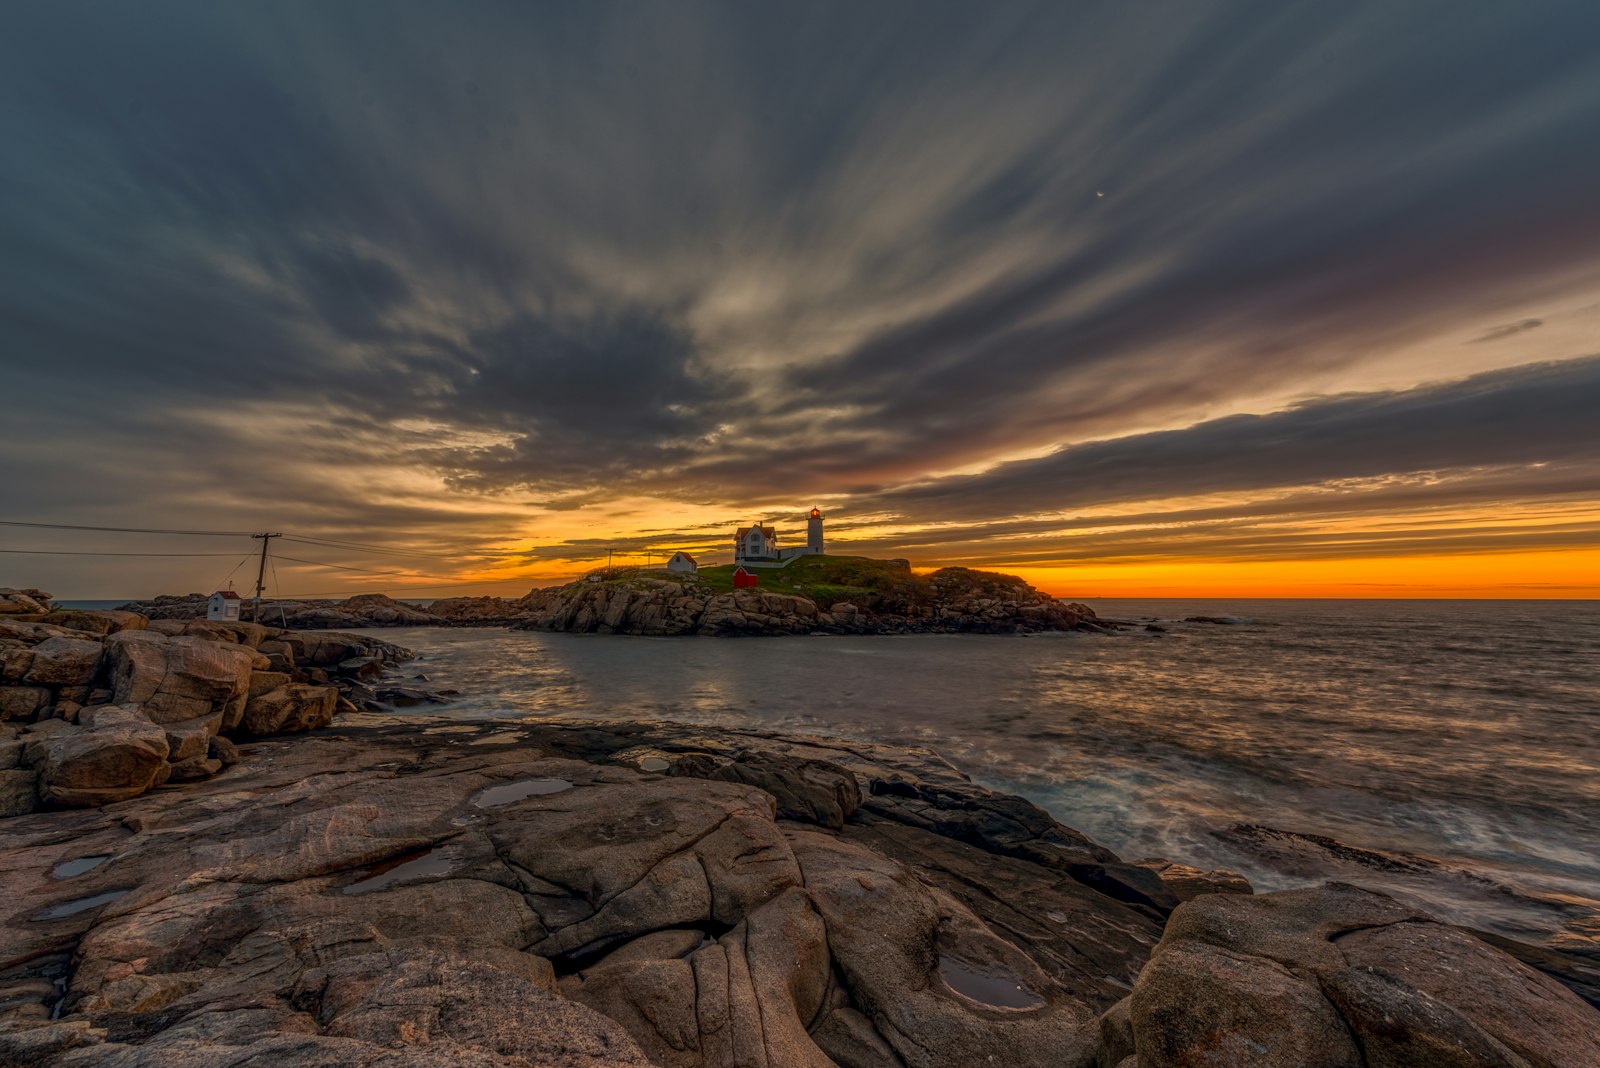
(261, 572)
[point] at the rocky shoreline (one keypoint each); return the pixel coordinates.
(401, 891)
(953, 600)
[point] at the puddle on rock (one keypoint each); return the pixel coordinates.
(68, 868)
(495, 796)
(82, 904)
(654, 764)
(989, 985)
(399, 870)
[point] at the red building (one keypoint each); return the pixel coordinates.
(744, 580)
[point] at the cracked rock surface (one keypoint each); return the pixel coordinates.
(410, 891)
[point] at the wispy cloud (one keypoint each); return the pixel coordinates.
(371, 267)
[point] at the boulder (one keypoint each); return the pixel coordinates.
(365, 668)
(294, 707)
(19, 602)
(190, 738)
(263, 681)
(118, 756)
(1336, 975)
(95, 621)
(179, 678)
(15, 659)
(65, 662)
(1203, 1006)
(22, 702)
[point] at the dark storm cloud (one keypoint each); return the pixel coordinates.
(742, 253)
(1542, 414)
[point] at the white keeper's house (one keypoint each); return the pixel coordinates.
(758, 544)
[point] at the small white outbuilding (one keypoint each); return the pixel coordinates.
(223, 606)
(683, 562)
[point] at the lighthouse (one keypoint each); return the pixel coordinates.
(814, 533)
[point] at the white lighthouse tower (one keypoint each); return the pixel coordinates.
(814, 533)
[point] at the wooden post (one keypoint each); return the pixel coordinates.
(261, 572)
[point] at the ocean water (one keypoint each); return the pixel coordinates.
(1458, 742)
(1454, 746)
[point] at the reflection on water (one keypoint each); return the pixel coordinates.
(495, 796)
(1468, 731)
(68, 868)
(991, 985)
(82, 904)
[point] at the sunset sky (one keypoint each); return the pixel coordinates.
(1133, 299)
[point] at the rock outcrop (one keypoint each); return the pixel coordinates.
(955, 600)
(419, 892)
(97, 707)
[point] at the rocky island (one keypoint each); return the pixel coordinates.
(810, 595)
(214, 858)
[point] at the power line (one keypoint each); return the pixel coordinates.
(242, 561)
(347, 567)
(74, 552)
(386, 551)
(127, 530)
(403, 589)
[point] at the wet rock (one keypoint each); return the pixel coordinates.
(407, 697)
(365, 668)
(1185, 882)
(120, 755)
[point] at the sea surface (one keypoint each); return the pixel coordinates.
(1452, 748)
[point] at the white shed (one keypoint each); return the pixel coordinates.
(224, 606)
(683, 562)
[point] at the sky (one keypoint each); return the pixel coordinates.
(1164, 299)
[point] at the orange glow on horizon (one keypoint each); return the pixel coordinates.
(1568, 574)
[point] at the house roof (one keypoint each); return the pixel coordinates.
(226, 595)
(685, 555)
(768, 531)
